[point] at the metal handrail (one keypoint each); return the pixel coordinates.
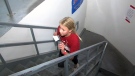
(32, 32)
(24, 43)
(31, 27)
(40, 67)
(26, 26)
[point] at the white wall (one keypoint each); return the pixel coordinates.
(47, 13)
(107, 17)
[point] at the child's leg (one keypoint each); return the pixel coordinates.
(75, 60)
(61, 64)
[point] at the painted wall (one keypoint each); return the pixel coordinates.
(47, 13)
(108, 19)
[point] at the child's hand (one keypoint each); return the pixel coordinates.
(61, 46)
(55, 33)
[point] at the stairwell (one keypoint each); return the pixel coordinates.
(88, 39)
(19, 65)
(13, 66)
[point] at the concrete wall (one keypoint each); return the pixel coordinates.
(47, 13)
(107, 18)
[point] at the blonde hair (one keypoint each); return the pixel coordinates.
(70, 24)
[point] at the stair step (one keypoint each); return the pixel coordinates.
(53, 56)
(39, 61)
(100, 74)
(30, 64)
(71, 70)
(91, 65)
(55, 70)
(19, 67)
(35, 75)
(81, 57)
(47, 58)
(80, 74)
(45, 73)
(57, 54)
(6, 72)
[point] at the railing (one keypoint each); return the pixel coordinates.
(100, 48)
(30, 71)
(8, 7)
(31, 27)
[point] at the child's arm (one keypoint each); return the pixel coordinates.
(57, 32)
(62, 48)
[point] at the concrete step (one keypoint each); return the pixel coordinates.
(30, 64)
(80, 74)
(55, 70)
(47, 58)
(100, 74)
(6, 72)
(39, 61)
(45, 73)
(19, 67)
(53, 56)
(35, 75)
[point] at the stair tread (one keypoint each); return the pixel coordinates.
(6, 72)
(35, 75)
(47, 58)
(53, 56)
(30, 64)
(55, 69)
(45, 73)
(39, 61)
(19, 67)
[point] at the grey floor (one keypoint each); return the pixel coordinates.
(20, 8)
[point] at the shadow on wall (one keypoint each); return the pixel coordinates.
(34, 5)
(4, 29)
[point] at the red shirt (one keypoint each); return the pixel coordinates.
(72, 41)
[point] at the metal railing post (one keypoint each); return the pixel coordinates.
(40, 67)
(87, 60)
(34, 39)
(100, 61)
(66, 67)
(8, 7)
(97, 50)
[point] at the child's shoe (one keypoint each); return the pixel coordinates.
(76, 66)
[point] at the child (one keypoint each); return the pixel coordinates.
(69, 39)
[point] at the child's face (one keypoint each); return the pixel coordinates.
(64, 31)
